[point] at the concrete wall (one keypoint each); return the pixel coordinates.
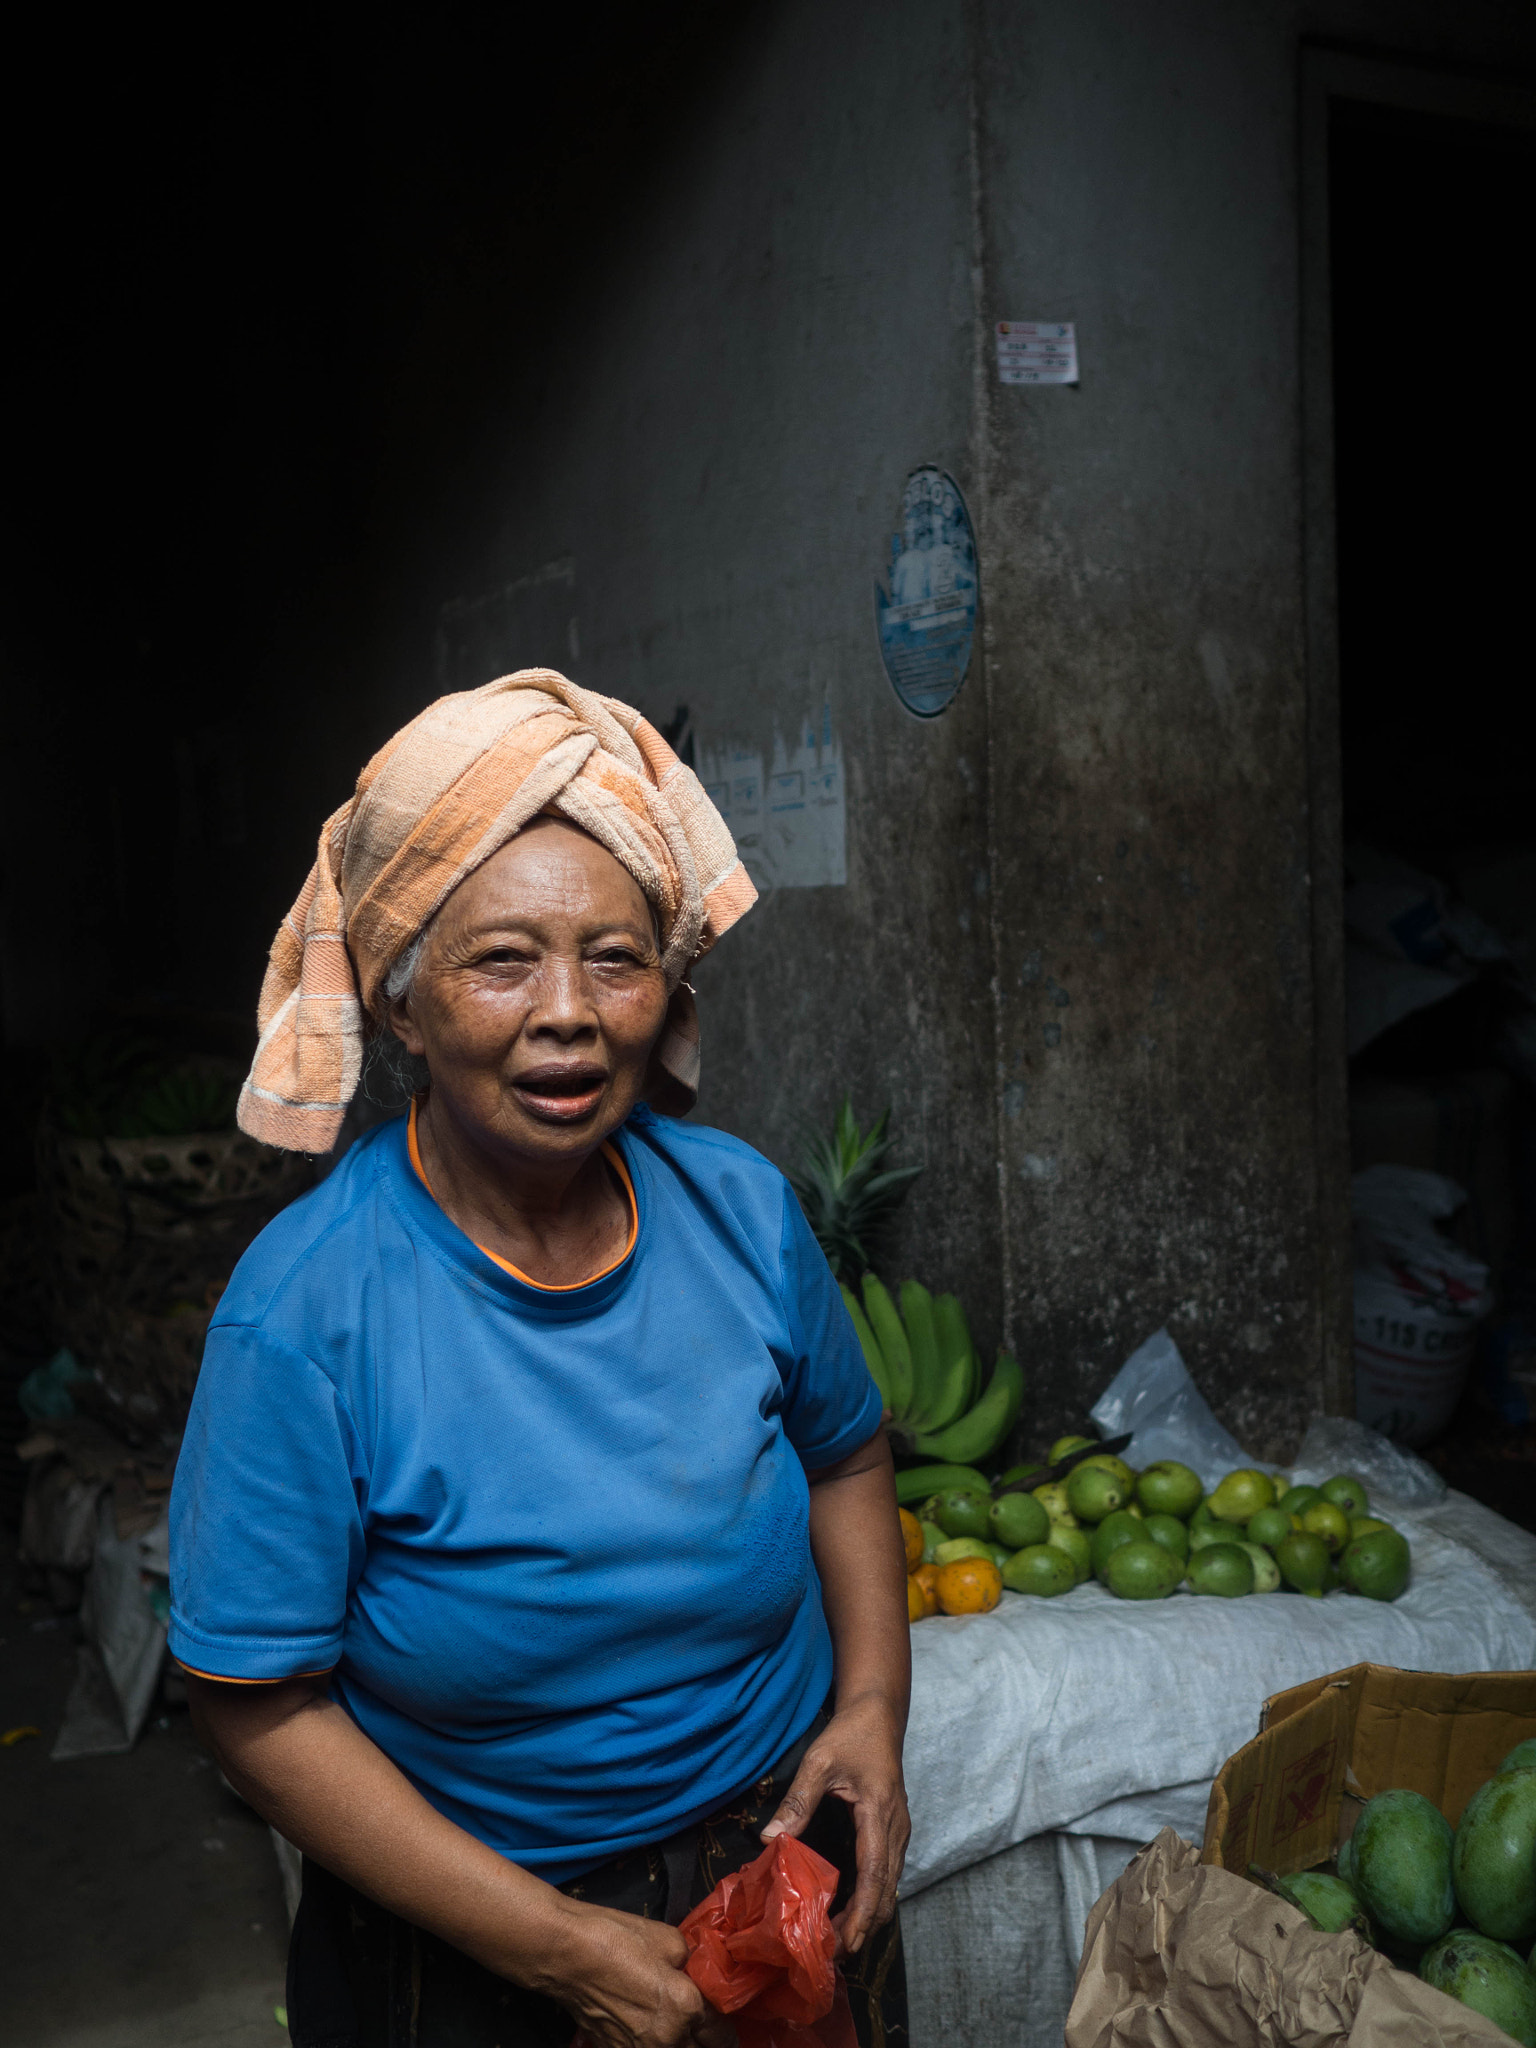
(721, 457)
(1074, 951)
(1152, 853)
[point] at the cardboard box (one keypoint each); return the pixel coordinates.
(1289, 1798)
(1183, 1951)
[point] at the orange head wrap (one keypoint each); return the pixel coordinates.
(442, 796)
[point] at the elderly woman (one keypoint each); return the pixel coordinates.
(535, 1555)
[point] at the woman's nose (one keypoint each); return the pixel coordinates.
(562, 1000)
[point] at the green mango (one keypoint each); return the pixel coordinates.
(1171, 1533)
(1401, 1862)
(1221, 1569)
(1142, 1570)
(919, 1481)
(1039, 1568)
(1299, 1498)
(1378, 1565)
(1484, 1975)
(1347, 1492)
(1495, 1857)
(1114, 1530)
(1328, 1902)
(961, 1512)
(1018, 1520)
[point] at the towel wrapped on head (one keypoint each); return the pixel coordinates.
(448, 791)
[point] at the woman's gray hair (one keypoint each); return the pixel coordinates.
(402, 974)
(391, 1076)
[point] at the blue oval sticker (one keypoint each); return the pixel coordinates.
(927, 619)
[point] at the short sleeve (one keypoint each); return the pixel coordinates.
(266, 1522)
(831, 1405)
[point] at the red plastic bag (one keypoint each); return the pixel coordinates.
(761, 1945)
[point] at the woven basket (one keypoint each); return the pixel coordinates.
(140, 1236)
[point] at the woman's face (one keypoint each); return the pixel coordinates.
(539, 997)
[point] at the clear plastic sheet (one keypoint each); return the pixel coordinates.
(1335, 1444)
(1153, 1396)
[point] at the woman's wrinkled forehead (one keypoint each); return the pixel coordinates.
(551, 872)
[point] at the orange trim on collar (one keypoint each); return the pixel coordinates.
(610, 1153)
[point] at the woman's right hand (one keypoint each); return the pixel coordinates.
(306, 1766)
(623, 1981)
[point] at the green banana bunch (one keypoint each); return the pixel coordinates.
(922, 1359)
(986, 1424)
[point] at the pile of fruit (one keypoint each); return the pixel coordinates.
(1144, 1535)
(1404, 1878)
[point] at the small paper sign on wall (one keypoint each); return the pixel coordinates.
(1036, 352)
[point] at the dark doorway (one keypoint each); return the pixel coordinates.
(1435, 443)
(1435, 412)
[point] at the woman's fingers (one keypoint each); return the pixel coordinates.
(856, 1759)
(881, 1829)
(878, 1850)
(628, 1989)
(663, 1942)
(803, 1797)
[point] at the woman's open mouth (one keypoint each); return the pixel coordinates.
(561, 1094)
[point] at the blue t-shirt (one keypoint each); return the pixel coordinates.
(553, 1547)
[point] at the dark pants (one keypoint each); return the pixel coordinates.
(360, 1977)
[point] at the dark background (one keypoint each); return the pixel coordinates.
(272, 300)
(1435, 424)
(273, 290)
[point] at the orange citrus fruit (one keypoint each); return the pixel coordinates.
(971, 1585)
(927, 1576)
(912, 1536)
(917, 1604)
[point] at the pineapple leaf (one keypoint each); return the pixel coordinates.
(848, 1201)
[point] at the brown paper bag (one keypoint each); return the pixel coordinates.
(1181, 1954)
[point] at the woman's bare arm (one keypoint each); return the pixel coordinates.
(856, 1542)
(306, 1767)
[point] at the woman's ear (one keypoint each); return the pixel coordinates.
(400, 1019)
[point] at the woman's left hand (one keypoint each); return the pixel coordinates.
(857, 1758)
